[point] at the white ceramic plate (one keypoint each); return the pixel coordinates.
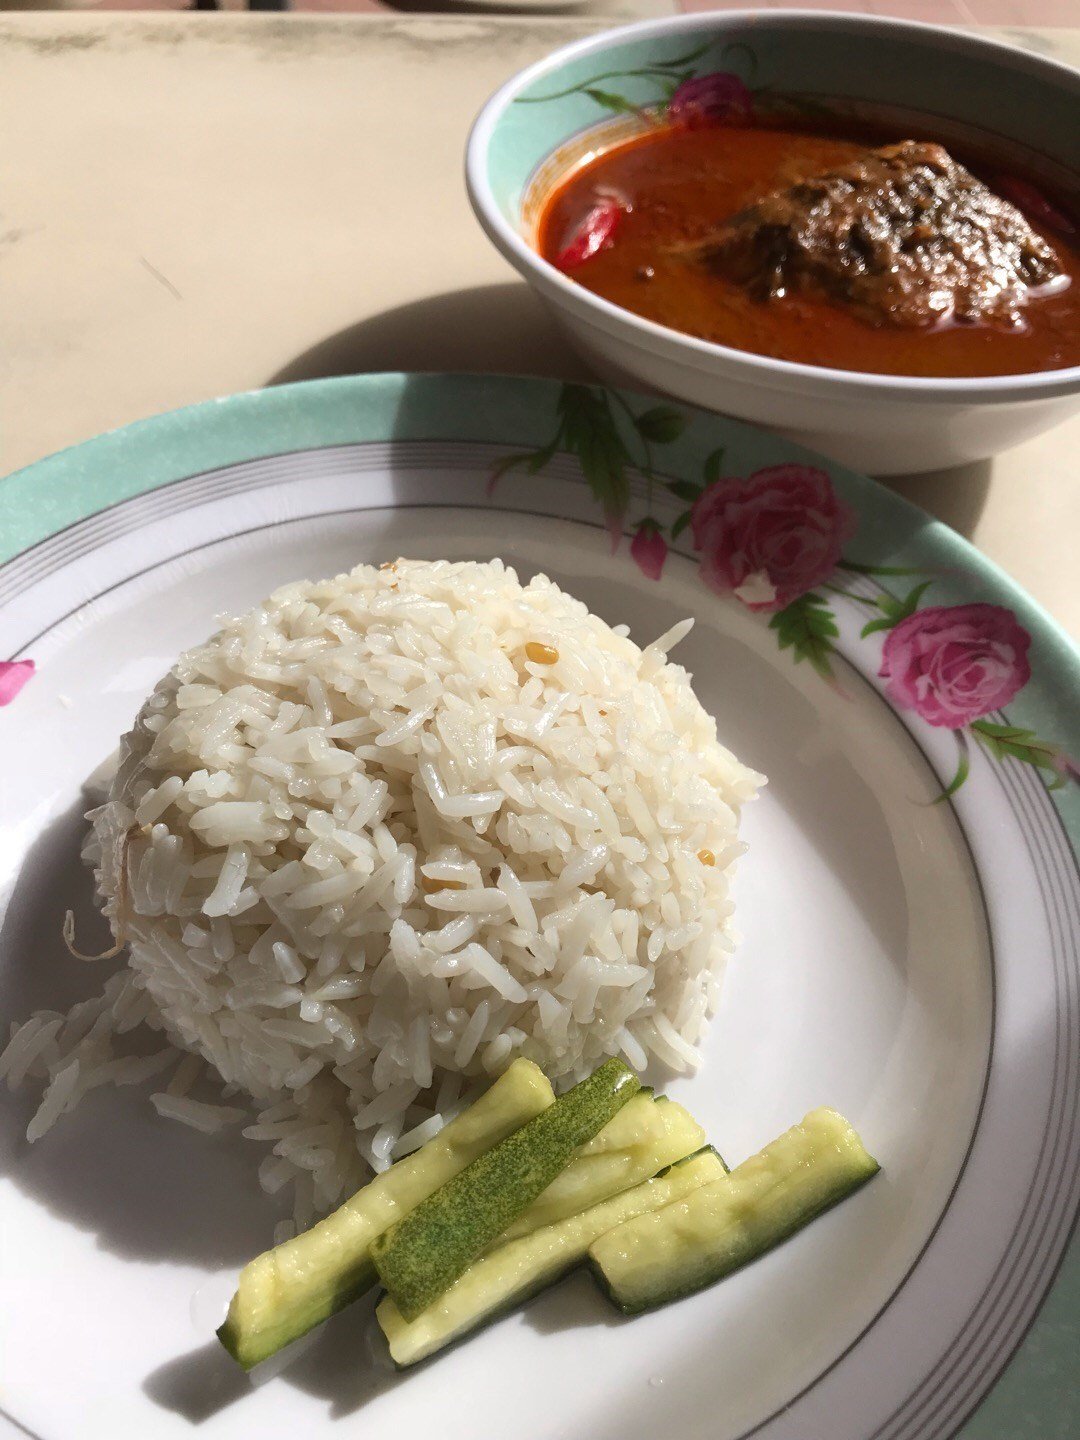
(904, 960)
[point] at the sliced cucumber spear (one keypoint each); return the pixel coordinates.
(424, 1253)
(287, 1291)
(661, 1256)
(512, 1272)
(645, 1136)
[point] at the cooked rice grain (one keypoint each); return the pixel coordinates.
(364, 848)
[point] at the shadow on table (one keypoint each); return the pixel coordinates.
(957, 496)
(505, 329)
(501, 328)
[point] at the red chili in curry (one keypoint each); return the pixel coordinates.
(654, 226)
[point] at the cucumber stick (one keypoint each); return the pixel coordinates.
(645, 1136)
(287, 1291)
(661, 1256)
(514, 1271)
(424, 1253)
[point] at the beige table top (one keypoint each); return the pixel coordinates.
(193, 205)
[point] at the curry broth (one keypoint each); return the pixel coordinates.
(679, 184)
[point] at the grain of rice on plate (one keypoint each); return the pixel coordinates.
(382, 834)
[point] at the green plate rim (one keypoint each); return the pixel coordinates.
(44, 498)
(57, 492)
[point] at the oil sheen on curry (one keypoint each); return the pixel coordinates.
(828, 245)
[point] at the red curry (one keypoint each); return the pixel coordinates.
(634, 224)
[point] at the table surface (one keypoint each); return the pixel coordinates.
(202, 204)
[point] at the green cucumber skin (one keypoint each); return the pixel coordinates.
(425, 1252)
(482, 1316)
(710, 1275)
(248, 1350)
(678, 1136)
(268, 1311)
(500, 1313)
(694, 1155)
(681, 1249)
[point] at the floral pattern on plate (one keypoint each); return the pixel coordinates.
(13, 676)
(775, 540)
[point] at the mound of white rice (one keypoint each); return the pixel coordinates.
(382, 834)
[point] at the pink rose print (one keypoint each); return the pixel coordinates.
(649, 549)
(13, 676)
(955, 663)
(771, 537)
(716, 99)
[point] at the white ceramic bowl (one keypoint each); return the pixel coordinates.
(529, 133)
